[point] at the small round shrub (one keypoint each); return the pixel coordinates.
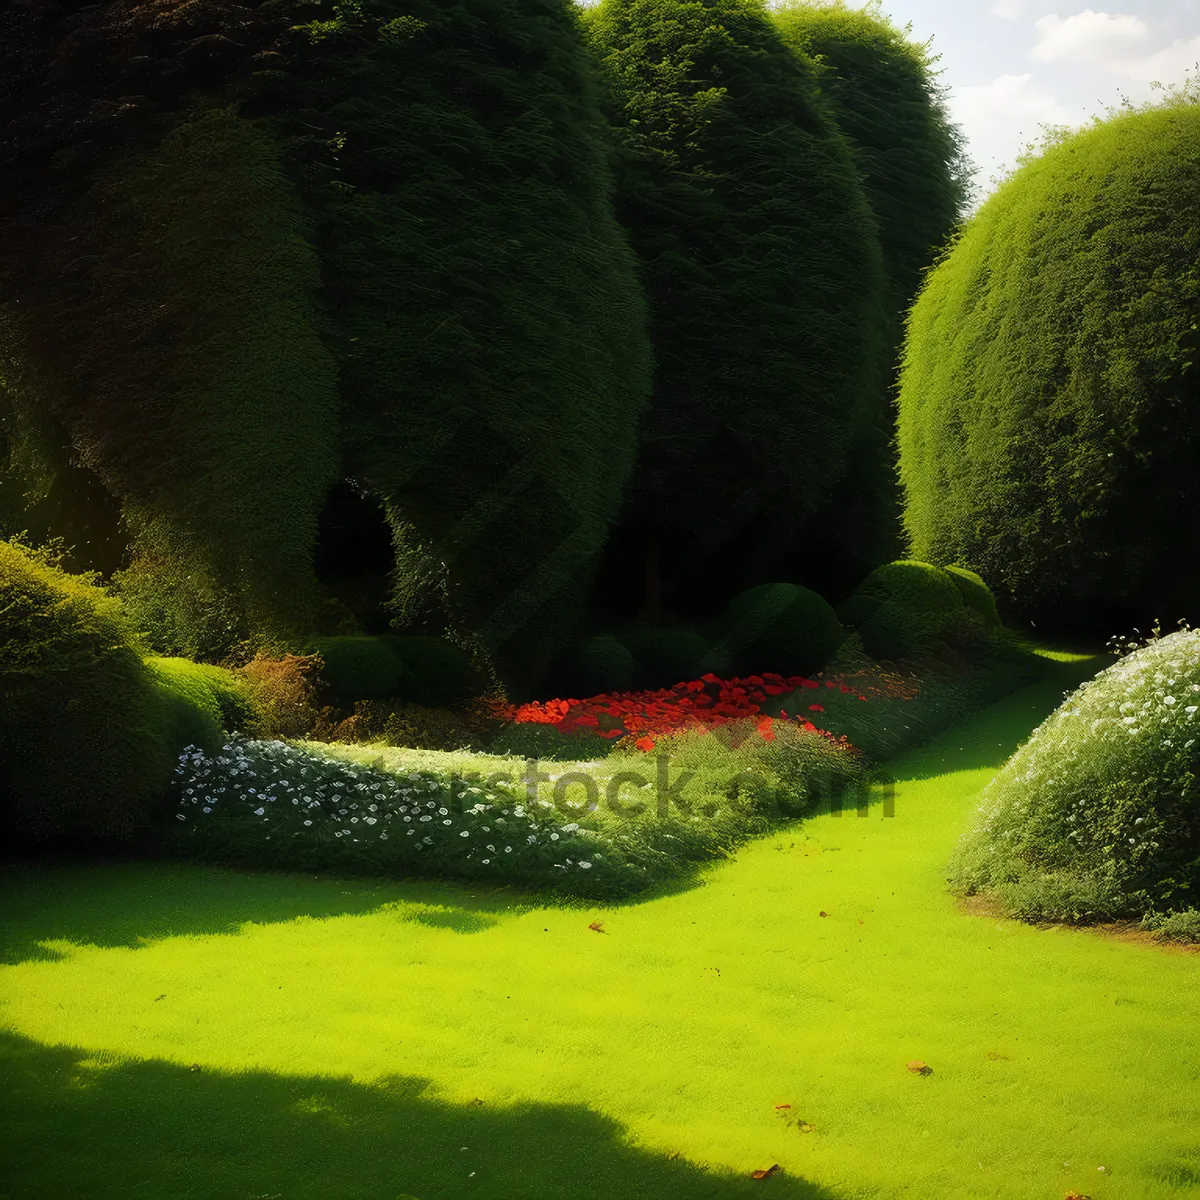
(1097, 816)
(437, 672)
(598, 664)
(89, 731)
(780, 627)
(666, 656)
(905, 609)
(358, 667)
(203, 702)
(976, 594)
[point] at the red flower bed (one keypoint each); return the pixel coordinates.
(703, 704)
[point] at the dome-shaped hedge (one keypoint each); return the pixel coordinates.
(976, 594)
(905, 609)
(598, 664)
(1049, 421)
(89, 731)
(780, 627)
(1098, 814)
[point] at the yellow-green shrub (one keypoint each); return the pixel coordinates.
(89, 730)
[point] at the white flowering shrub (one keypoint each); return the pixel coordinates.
(270, 804)
(1097, 816)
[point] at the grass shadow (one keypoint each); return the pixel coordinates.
(121, 902)
(84, 1126)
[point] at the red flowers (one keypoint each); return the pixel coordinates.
(703, 704)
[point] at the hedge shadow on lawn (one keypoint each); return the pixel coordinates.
(126, 903)
(83, 1125)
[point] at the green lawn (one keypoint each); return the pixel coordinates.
(175, 1031)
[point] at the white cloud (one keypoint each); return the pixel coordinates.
(1089, 36)
(1170, 64)
(1001, 118)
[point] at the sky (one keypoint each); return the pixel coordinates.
(1013, 65)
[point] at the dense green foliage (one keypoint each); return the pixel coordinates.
(598, 664)
(665, 656)
(976, 594)
(1097, 816)
(485, 309)
(387, 812)
(1048, 407)
(215, 424)
(908, 609)
(763, 271)
(423, 669)
(888, 106)
(778, 627)
(89, 732)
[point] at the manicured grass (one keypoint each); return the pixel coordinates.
(345, 1033)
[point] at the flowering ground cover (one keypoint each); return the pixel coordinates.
(178, 1030)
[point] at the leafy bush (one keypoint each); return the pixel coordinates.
(883, 91)
(1097, 816)
(401, 723)
(976, 594)
(436, 672)
(1049, 417)
(283, 693)
(665, 656)
(88, 730)
(359, 667)
(906, 609)
(204, 702)
(1174, 927)
(385, 812)
(779, 627)
(484, 303)
(597, 664)
(763, 271)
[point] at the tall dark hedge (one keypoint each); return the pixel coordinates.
(158, 309)
(912, 162)
(487, 316)
(1049, 404)
(762, 265)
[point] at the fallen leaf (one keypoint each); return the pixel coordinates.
(996, 1056)
(805, 1127)
(822, 913)
(597, 926)
(917, 1067)
(1076, 1196)
(783, 1106)
(766, 1172)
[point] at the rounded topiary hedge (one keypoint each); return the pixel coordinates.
(598, 664)
(906, 609)
(89, 731)
(1097, 816)
(976, 594)
(779, 627)
(666, 656)
(1050, 393)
